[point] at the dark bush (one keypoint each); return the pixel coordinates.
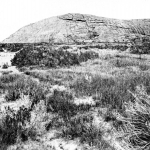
(26, 86)
(82, 127)
(12, 95)
(62, 103)
(14, 126)
(53, 58)
(5, 66)
(65, 47)
(142, 48)
(144, 67)
(87, 55)
(50, 58)
(9, 78)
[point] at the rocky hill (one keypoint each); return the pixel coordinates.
(81, 29)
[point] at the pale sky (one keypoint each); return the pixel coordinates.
(14, 14)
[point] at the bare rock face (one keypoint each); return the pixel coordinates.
(79, 29)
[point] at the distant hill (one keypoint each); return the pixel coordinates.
(79, 28)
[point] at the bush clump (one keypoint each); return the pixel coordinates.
(50, 58)
(13, 126)
(87, 55)
(12, 95)
(83, 128)
(9, 78)
(26, 86)
(5, 66)
(62, 103)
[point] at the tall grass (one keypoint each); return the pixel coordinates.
(109, 91)
(54, 76)
(137, 119)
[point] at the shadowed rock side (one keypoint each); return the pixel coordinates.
(78, 28)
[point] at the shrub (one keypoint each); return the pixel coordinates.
(56, 122)
(125, 62)
(83, 128)
(27, 86)
(96, 46)
(144, 67)
(44, 56)
(65, 47)
(5, 66)
(88, 55)
(62, 103)
(23, 69)
(6, 72)
(14, 126)
(50, 58)
(9, 78)
(12, 95)
(143, 48)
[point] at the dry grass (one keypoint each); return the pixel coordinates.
(136, 121)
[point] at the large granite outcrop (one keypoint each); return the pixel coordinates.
(80, 29)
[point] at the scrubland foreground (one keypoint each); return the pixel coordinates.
(75, 100)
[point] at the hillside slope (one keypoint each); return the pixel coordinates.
(78, 28)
